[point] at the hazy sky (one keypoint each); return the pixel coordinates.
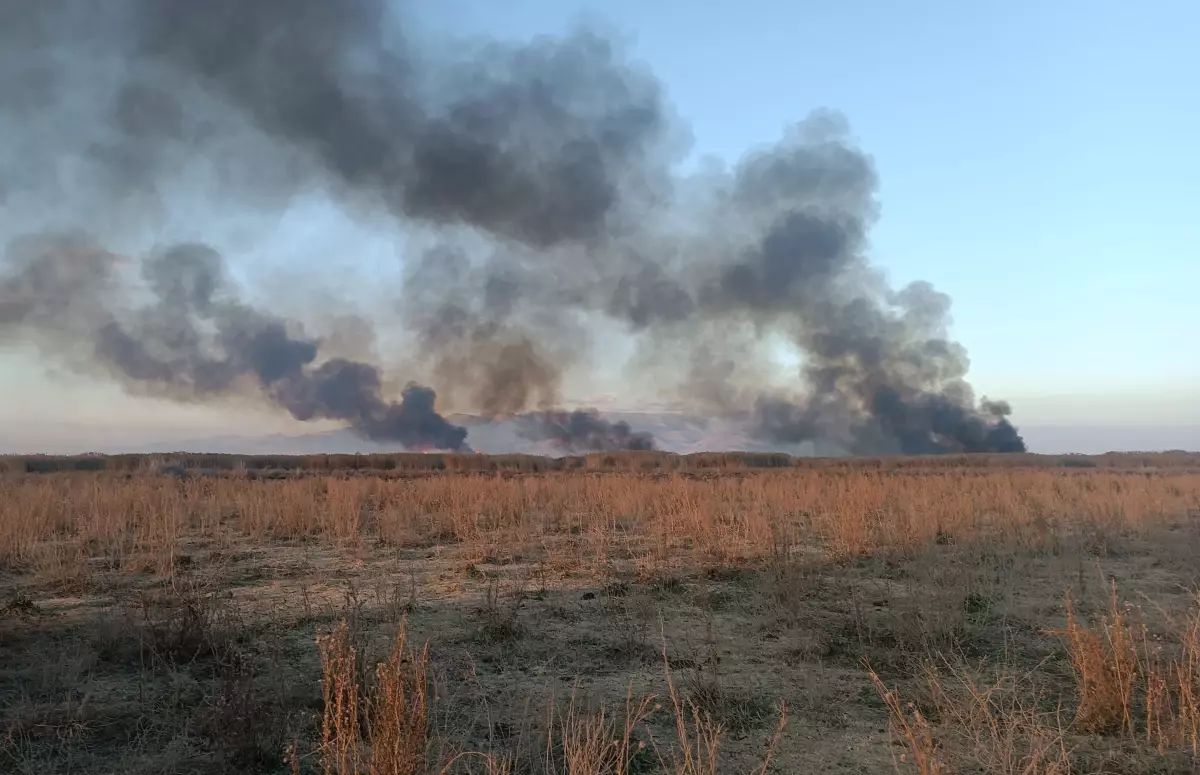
(1038, 163)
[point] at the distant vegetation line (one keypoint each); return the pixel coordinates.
(418, 463)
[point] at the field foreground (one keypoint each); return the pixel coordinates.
(625, 615)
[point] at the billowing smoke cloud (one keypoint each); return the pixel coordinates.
(543, 172)
(527, 143)
(583, 430)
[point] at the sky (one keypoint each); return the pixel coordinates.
(1037, 162)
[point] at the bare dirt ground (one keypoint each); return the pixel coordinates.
(912, 619)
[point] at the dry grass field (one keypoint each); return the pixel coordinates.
(614, 614)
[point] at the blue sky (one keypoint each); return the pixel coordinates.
(1038, 162)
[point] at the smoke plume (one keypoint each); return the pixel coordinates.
(541, 178)
(195, 340)
(583, 430)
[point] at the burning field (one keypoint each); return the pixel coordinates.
(535, 191)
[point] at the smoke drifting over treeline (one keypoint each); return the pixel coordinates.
(544, 172)
(584, 430)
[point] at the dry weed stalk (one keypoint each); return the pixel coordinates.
(340, 751)
(592, 743)
(398, 713)
(1132, 684)
(909, 728)
(988, 728)
(998, 724)
(394, 740)
(1105, 660)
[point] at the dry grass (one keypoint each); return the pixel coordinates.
(995, 727)
(63, 525)
(383, 728)
(161, 619)
(1135, 682)
(594, 743)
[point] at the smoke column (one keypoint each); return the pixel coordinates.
(583, 430)
(544, 172)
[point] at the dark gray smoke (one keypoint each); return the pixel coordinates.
(542, 174)
(529, 143)
(483, 340)
(583, 430)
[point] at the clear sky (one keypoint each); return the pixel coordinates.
(1038, 162)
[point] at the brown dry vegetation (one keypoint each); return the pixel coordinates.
(610, 614)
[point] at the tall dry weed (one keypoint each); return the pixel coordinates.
(341, 737)
(377, 729)
(912, 731)
(1133, 683)
(594, 742)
